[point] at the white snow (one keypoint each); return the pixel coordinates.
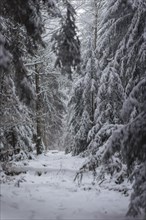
(54, 195)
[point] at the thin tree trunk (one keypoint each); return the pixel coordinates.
(97, 5)
(95, 29)
(38, 112)
(95, 25)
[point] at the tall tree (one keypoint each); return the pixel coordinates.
(121, 52)
(131, 141)
(67, 44)
(21, 29)
(83, 101)
(83, 97)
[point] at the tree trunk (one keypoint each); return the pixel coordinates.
(38, 112)
(97, 5)
(95, 24)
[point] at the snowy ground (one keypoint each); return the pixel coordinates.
(47, 191)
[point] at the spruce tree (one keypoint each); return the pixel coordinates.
(121, 53)
(83, 102)
(67, 44)
(21, 27)
(130, 140)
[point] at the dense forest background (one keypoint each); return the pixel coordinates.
(73, 78)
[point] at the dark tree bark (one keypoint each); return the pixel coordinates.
(38, 112)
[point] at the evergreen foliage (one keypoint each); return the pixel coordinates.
(67, 44)
(22, 25)
(83, 102)
(107, 105)
(117, 136)
(131, 141)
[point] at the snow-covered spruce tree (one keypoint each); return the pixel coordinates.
(131, 141)
(122, 40)
(16, 92)
(121, 53)
(75, 109)
(51, 107)
(16, 127)
(82, 102)
(109, 101)
(67, 44)
(19, 28)
(52, 98)
(49, 99)
(22, 26)
(121, 49)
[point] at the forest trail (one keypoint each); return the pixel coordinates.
(47, 192)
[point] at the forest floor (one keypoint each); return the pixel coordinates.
(47, 192)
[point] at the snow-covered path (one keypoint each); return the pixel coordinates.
(47, 191)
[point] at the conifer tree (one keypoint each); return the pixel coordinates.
(120, 50)
(67, 44)
(130, 140)
(21, 29)
(82, 102)
(121, 53)
(109, 102)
